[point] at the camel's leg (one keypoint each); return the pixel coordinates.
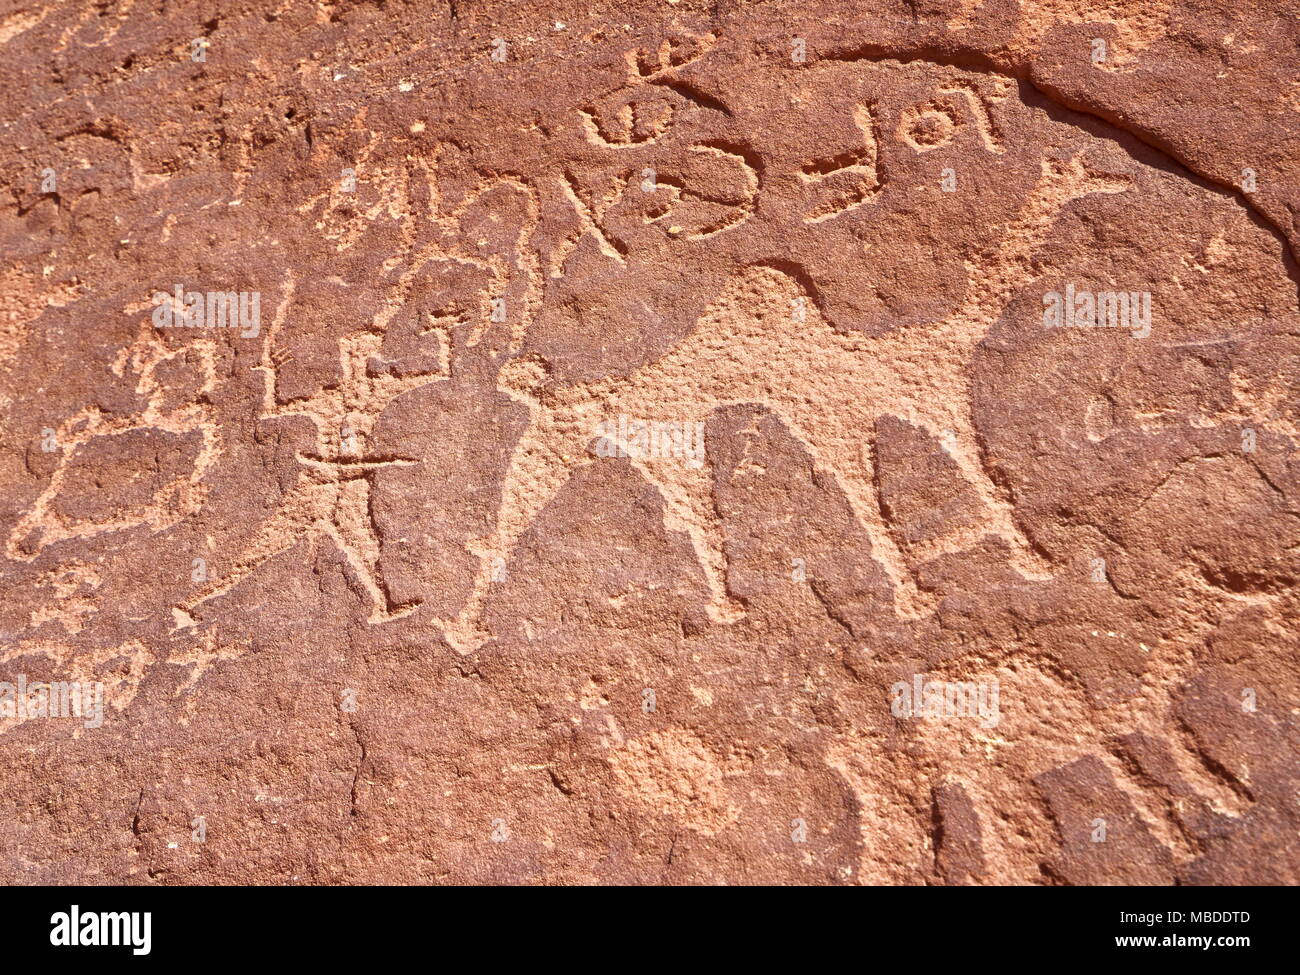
(956, 432)
(850, 461)
(688, 507)
(539, 468)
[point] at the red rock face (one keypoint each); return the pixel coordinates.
(650, 444)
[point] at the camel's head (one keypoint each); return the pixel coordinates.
(523, 378)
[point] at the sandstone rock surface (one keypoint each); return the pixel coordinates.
(647, 454)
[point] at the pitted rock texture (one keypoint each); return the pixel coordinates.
(640, 404)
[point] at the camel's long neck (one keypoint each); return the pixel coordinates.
(996, 273)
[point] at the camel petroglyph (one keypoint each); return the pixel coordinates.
(827, 387)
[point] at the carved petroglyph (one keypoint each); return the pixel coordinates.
(665, 199)
(929, 126)
(643, 112)
(672, 54)
(590, 218)
(119, 667)
(934, 124)
(852, 178)
(513, 271)
(73, 603)
(332, 497)
(836, 398)
(348, 210)
(504, 272)
(1133, 29)
(979, 108)
(46, 523)
(836, 184)
(633, 123)
(731, 209)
